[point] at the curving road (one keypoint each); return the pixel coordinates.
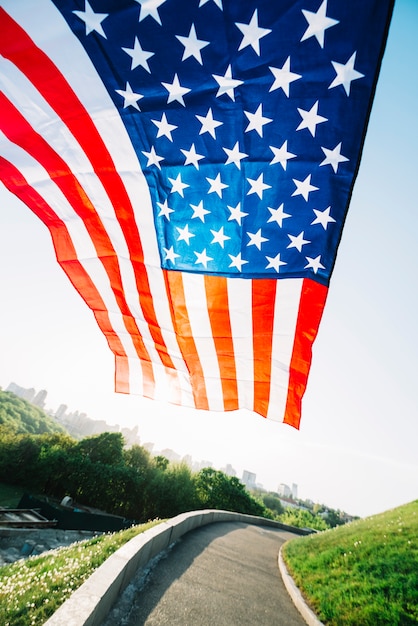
(222, 574)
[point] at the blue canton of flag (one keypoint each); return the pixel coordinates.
(248, 119)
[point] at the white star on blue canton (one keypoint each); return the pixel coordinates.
(164, 128)
(227, 84)
(236, 213)
(184, 234)
(177, 185)
(165, 209)
(219, 236)
(283, 77)
(258, 186)
(314, 264)
(130, 98)
(304, 187)
(298, 241)
(175, 91)
(150, 7)
(252, 33)
(323, 218)
(278, 215)
(202, 258)
(92, 20)
(153, 158)
(237, 261)
(345, 74)
(333, 157)
(208, 124)
(170, 255)
(192, 45)
(235, 156)
(275, 263)
(199, 211)
(216, 185)
(139, 57)
(318, 23)
(192, 158)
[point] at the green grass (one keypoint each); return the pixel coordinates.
(10, 495)
(361, 574)
(31, 590)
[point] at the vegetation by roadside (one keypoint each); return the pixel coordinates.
(32, 590)
(10, 495)
(362, 574)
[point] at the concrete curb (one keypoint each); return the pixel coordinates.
(296, 596)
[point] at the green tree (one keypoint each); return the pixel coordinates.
(303, 519)
(272, 502)
(19, 459)
(216, 490)
(161, 462)
(171, 491)
(55, 451)
(105, 448)
(138, 458)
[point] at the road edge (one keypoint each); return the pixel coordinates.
(295, 594)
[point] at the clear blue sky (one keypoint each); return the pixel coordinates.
(357, 447)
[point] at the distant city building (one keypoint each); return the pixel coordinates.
(288, 492)
(61, 411)
(249, 479)
(228, 470)
(39, 399)
(284, 490)
(199, 465)
(187, 459)
(130, 436)
(26, 394)
(169, 454)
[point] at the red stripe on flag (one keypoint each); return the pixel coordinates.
(14, 125)
(17, 46)
(64, 249)
(122, 382)
(217, 298)
(183, 330)
(263, 309)
(311, 307)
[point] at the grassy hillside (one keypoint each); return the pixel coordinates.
(32, 590)
(361, 574)
(21, 416)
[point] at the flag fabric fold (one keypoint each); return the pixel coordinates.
(194, 162)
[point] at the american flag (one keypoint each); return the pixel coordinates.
(193, 161)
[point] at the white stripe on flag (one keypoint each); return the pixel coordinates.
(196, 304)
(240, 303)
(286, 311)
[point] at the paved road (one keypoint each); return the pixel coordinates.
(222, 574)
